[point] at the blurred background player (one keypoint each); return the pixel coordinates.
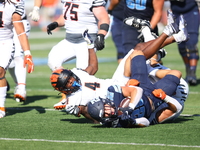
(150, 10)
(11, 15)
(116, 28)
(188, 49)
(16, 68)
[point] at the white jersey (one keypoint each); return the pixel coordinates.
(91, 88)
(78, 15)
(6, 12)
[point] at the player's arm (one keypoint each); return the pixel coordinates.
(126, 121)
(113, 4)
(174, 107)
(19, 28)
(158, 7)
(135, 94)
(103, 25)
(60, 22)
(93, 62)
(34, 14)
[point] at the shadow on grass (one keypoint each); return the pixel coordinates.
(32, 99)
(15, 110)
(79, 120)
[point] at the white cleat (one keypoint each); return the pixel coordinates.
(137, 23)
(19, 95)
(61, 104)
(182, 35)
(170, 17)
(88, 39)
(2, 112)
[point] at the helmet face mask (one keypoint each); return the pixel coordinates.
(61, 77)
(96, 109)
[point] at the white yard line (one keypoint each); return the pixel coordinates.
(90, 142)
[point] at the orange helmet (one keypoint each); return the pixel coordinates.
(59, 79)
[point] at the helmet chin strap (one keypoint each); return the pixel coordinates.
(75, 84)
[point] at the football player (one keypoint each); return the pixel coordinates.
(11, 13)
(92, 87)
(16, 68)
(144, 98)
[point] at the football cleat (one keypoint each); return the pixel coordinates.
(171, 29)
(2, 112)
(192, 80)
(170, 17)
(19, 94)
(88, 39)
(137, 23)
(62, 103)
(161, 54)
(182, 35)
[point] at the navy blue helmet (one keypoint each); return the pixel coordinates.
(96, 109)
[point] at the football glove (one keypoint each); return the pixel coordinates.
(125, 120)
(51, 27)
(99, 42)
(159, 93)
(128, 110)
(73, 110)
(132, 82)
(35, 16)
(28, 61)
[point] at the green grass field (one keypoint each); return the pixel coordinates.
(35, 125)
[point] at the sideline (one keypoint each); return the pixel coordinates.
(90, 142)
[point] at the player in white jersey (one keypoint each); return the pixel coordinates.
(16, 68)
(61, 82)
(77, 17)
(11, 13)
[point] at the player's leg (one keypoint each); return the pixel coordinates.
(59, 54)
(189, 50)
(116, 31)
(5, 59)
(17, 69)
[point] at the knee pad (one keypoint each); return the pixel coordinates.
(193, 53)
(190, 53)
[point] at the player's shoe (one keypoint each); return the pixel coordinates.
(161, 54)
(192, 80)
(171, 29)
(88, 39)
(182, 35)
(62, 103)
(170, 17)
(19, 94)
(137, 23)
(2, 112)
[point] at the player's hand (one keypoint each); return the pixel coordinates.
(35, 16)
(99, 42)
(128, 110)
(51, 27)
(28, 61)
(125, 120)
(132, 82)
(159, 93)
(73, 110)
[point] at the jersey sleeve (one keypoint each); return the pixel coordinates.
(97, 3)
(20, 8)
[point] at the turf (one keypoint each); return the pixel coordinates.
(35, 125)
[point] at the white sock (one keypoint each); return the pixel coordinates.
(20, 71)
(147, 34)
(3, 91)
